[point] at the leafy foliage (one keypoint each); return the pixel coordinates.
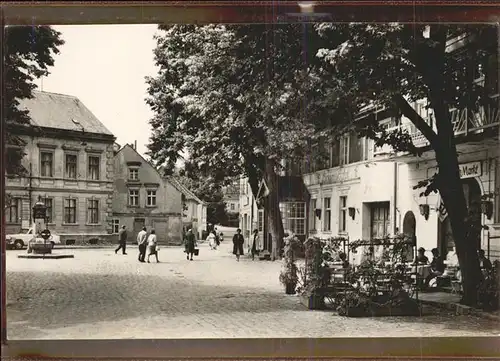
(209, 192)
(29, 52)
(227, 95)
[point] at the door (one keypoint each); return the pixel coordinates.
(380, 224)
(139, 223)
(161, 229)
(380, 221)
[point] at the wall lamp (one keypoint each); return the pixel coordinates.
(424, 210)
(352, 212)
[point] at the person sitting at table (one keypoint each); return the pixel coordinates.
(484, 263)
(421, 258)
(437, 266)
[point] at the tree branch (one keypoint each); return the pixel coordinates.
(416, 119)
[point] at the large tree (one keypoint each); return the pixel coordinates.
(222, 94)
(29, 52)
(394, 65)
(209, 192)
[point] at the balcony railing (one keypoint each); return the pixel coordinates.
(464, 122)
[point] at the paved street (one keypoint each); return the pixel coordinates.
(102, 295)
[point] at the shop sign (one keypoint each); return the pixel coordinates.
(470, 170)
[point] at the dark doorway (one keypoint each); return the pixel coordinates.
(410, 230)
(139, 223)
(472, 192)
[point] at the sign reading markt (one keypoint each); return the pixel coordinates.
(470, 170)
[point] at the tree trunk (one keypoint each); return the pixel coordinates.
(451, 190)
(272, 209)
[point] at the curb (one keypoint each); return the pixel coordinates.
(460, 309)
(103, 247)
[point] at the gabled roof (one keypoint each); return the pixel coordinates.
(60, 111)
(181, 188)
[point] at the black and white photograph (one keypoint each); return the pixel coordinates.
(236, 181)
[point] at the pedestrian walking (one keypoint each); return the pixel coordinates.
(142, 237)
(189, 244)
(216, 234)
(152, 245)
(212, 241)
(122, 240)
(255, 243)
(238, 241)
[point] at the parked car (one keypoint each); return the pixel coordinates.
(21, 240)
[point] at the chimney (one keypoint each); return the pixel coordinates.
(135, 144)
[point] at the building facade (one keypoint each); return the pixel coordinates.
(360, 191)
(194, 210)
(143, 198)
(69, 166)
(232, 201)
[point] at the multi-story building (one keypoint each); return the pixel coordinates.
(232, 201)
(194, 213)
(69, 166)
(360, 191)
(143, 198)
(476, 137)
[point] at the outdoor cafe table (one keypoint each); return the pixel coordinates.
(422, 270)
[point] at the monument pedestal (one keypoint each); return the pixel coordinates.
(38, 250)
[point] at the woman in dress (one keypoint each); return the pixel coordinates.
(152, 245)
(255, 243)
(212, 241)
(190, 244)
(238, 244)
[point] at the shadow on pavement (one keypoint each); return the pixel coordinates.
(52, 300)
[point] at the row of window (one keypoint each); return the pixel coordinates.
(70, 165)
(349, 149)
(14, 213)
(133, 198)
(327, 214)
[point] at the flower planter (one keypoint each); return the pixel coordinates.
(313, 302)
(290, 288)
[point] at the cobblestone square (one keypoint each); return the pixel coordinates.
(99, 294)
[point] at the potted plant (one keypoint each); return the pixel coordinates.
(317, 274)
(289, 273)
(289, 278)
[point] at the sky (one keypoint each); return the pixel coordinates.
(104, 66)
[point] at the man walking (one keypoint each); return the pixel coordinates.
(141, 241)
(122, 239)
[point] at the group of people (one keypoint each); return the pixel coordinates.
(147, 242)
(437, 265)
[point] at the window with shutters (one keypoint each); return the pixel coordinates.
(327, 222)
